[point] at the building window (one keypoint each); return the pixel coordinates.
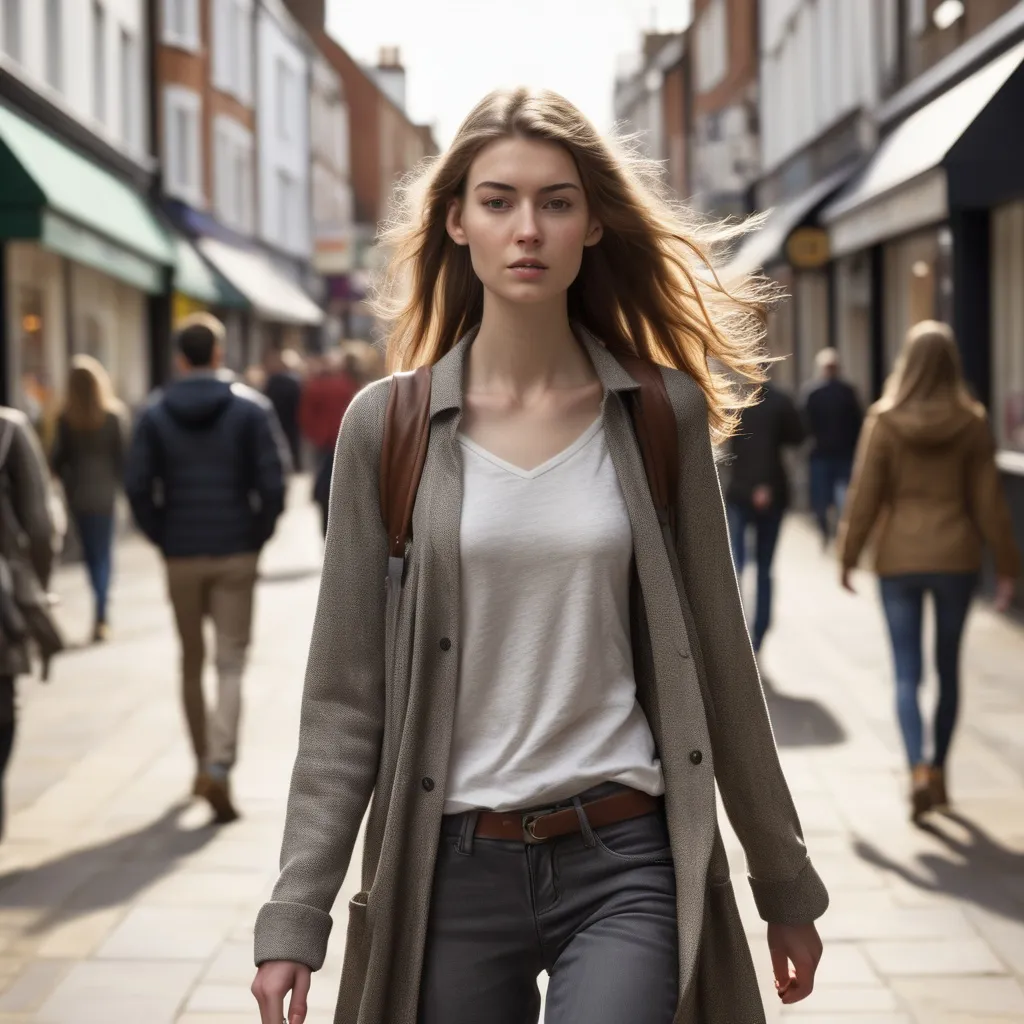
(181, 24)
(55, 43)
(182, 162)
(99, 61)
(1007, 262)
(712, 46)
(285, 87)
(11, 27)
(129, 86)
(233, 174)
(287, 191)
(232, 47)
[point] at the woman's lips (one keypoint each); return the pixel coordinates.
(528, 273)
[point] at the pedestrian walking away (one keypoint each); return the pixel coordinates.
(88, 457)
(541, 700)
(926, 478)
(29, 541)
(757, 494)
(283, 388)
(833, 415)
(206, 481)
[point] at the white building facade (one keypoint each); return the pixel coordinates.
(82, 264)
(283, 150)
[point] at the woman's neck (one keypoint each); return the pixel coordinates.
(521, 349)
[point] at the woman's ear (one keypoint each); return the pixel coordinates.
(595, 232)
(453, 222)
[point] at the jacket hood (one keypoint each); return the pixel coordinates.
(929, 423)
(196, 402)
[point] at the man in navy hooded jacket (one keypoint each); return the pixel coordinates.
(206, 481)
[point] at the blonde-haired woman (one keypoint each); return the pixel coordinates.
(926, 478)
(540, 710)
(88, 457)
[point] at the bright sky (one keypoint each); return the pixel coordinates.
(456, 51)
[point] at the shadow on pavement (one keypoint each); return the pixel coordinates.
(800, 721)
(979, 870)
(107, 874)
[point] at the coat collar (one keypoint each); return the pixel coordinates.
(448, 372)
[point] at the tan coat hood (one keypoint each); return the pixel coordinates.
(930, 423)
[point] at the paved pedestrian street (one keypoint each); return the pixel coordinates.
(120, 904)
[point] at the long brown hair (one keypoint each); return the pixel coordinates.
(649, 286)
(928, 369)
(90, 396)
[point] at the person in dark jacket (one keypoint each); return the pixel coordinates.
(206, 481)
(833, 414)
(283, 388)
(88, 457)
(29, 541)
(758, 492)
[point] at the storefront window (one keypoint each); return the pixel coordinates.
(37, 385)
(853, 322)
(1008, 326)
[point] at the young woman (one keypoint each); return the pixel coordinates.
(926, 476)
(88, 457)
(542, 714)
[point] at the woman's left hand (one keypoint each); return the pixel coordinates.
(799, 945)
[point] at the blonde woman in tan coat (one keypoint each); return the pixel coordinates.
(925, 481)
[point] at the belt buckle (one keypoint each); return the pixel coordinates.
(529, 820)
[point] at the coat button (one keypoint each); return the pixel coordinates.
(696, 757)
(446, 644)
(428, 784)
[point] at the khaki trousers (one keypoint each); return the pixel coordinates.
(220, 589)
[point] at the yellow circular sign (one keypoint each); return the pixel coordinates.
(808, 248)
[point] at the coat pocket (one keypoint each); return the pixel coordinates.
(356, 961)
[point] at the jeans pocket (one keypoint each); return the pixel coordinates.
(643, 840)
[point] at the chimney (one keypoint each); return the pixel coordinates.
(390, 75)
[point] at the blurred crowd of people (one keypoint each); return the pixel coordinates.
(204, 469)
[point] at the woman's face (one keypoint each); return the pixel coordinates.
(525, 219)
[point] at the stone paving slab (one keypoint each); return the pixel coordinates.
(120, 903)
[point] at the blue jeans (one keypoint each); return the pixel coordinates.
(903, 600)
(96, 532)
(766, 535)
(830, 478)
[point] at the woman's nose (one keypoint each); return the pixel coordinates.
(527, 228)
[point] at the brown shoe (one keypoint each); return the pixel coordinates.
(101, 633)
(937, 785)
(920, 791)
(217, 793)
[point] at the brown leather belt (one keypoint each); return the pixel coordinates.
(540, 826)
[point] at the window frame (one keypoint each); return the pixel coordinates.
(53, 45)
(189, 39)
(100, 92)
(177, 98)
(13, 27)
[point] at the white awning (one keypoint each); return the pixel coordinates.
(272, 295)
(765, 246)
(903, 186)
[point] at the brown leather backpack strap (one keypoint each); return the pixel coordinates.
(654, 422)
(403, 452)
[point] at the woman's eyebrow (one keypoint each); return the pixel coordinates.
(501, 187)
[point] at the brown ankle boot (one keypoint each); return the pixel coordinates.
(920, 791)
(937, 784)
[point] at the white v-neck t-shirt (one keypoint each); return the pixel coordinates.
(547, 701)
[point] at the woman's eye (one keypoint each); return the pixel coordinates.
(559, 204)
(495, 204)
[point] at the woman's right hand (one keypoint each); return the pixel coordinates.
(274, 980)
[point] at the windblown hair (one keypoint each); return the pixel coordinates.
(649, 285)
(90, 397)
(928, 369)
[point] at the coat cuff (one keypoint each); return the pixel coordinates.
(292, 931)
(799, 901)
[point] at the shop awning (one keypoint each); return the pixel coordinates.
(903, 186)
(194, 277)
(51, 193)
(269, 292)
(767, 245)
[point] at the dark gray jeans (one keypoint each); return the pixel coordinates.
(596, 910)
